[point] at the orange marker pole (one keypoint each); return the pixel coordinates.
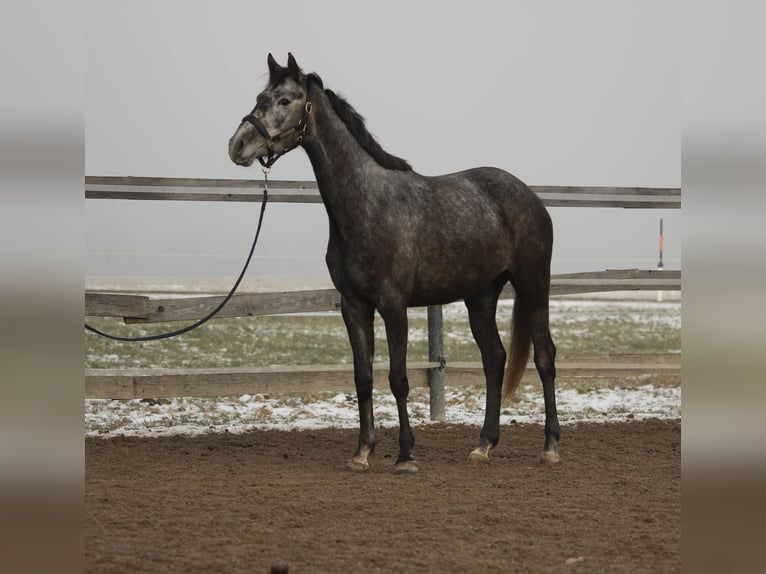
(660, 265)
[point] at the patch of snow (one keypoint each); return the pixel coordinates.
(189, 416)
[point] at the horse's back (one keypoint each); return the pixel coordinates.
(494, 189)
(497, 183)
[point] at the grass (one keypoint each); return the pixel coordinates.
(580, 329)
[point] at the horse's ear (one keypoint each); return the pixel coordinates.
(292, 66)
(273, 66)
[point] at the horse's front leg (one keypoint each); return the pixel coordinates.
(396, 334)
(358, 317)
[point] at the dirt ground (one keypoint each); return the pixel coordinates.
(282, 500)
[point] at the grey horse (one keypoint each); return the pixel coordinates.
(399, 239)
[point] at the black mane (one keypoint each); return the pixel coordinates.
(355, 124)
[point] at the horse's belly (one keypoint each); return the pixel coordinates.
(436, 286)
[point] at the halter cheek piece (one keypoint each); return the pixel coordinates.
(300, 129)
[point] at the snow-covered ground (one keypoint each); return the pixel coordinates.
(285, 412)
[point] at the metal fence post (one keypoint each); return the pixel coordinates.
(436, 355)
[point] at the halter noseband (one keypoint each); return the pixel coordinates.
(300, 129)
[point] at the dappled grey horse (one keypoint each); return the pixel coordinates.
(399, 239)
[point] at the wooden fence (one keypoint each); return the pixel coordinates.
(180, 189)
(155, 383)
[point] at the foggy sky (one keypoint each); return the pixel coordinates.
(557, 93)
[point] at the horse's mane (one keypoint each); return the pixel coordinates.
(355, 124)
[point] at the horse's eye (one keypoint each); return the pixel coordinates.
(284, 102)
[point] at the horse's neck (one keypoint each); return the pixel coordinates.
(341, 166)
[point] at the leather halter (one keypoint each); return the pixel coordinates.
(300, 129)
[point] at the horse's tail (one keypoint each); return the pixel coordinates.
(519, 352)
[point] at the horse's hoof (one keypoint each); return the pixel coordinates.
(406, 467)
(549, 457)
(479, 455)
(358, 466)
(477, 459)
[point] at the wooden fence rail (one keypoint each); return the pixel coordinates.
(168, 383)
(148, 309)
(157, 383)
(181, 189)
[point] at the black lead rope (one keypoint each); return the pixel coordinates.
(221, 305)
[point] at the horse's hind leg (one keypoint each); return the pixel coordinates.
(530, 276)
(545, 361)
(358, 317)
(536, 309)
(481, 315)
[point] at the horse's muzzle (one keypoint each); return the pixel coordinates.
(237, 151)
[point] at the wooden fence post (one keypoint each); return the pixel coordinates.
(436, 355)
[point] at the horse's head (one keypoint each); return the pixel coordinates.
(279, 120)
